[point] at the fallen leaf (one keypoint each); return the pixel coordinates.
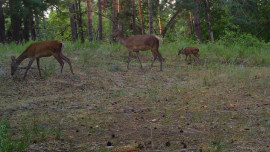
(233, 105)
(259, 75)
(203, 106)
(182, 117)
(154, 120)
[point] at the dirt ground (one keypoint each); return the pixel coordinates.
(105, 107)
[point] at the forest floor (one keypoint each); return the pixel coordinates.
(105, 107)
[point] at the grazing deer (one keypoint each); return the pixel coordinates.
(188, 51)
(139, 43)
(38, 50)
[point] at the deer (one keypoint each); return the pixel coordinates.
(37, 50)
(188, 51)
(139, 43)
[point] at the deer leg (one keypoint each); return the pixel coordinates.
(38, 66)
(186, 57)
(68, 61)
(194, 58)
(139, 57)
(129, 59)
(28, 67)
(61, 62)
(155, 57)
(197, 56)
(160, 60)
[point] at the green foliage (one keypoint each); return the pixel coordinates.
(7, 143)
(30, 133)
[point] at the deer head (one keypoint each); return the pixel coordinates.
(14, 65)
(116, 33)
(180, 51)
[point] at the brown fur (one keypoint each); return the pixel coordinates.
(139, 43)
(38, 50)
(188, 51)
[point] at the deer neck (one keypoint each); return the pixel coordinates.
(122, 39)
(22, 57)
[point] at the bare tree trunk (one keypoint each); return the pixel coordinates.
(197, 21)
(89, 16)
(80, 21)
(208, 20)
(32, 26)
(159, 24)
(133, 16)
(118, 6)
(159, 19)
(114, 12)
(190, 22)
(100, 20)
(150, 16)
(45, 28)
(73, 23)
(2, 25)
(37, 27)
(26, 29)
(141, 16)
(170, 23)
(15, 22)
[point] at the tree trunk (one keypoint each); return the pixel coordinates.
(118, 6)
(73, 23)
(100, 20)
(15, 21)
(197, 21)
(159, 20)
(141, 16)
(89, 16)
(190, 22)
(26, 28)
(2, 25)
(44, 28)
(150, 16)
(80, 21)
(114, 12)
(37, 28)
(133, 16)
(170, 23)
(208, 20)
(32, 26)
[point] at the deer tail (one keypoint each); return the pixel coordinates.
(62, 46)
(160, 40)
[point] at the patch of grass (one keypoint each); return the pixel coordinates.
(119, 93)
(7, 143)
(58, 133)
(217, 147)
(114, 67)
(31, 133)
(50, 69)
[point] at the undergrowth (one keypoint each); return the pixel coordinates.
(244, 51)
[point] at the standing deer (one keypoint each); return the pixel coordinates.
(188, 51)
(139, 43)
(41, 49)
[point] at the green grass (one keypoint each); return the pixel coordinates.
(195, 96)
(7, 143)
(218, 52)
(30, 133)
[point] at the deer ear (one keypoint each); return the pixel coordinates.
(13, 58)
